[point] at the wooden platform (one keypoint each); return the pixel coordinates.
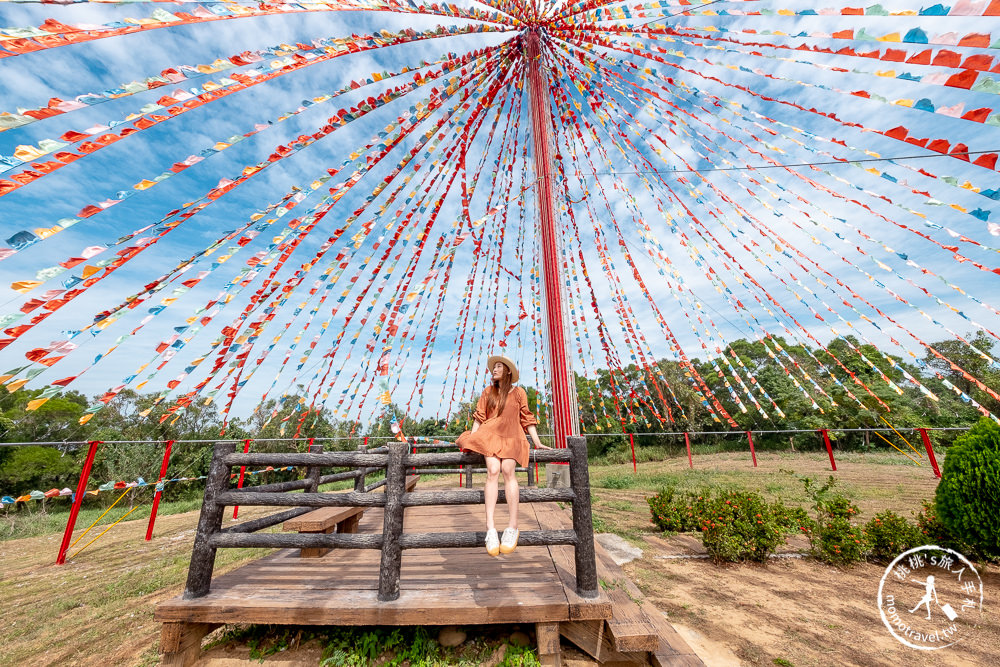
(437, 587)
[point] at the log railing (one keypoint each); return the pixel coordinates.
(396, 460)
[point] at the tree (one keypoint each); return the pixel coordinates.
(30, 468)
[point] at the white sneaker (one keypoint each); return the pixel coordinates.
(509, 541)
(492, 542)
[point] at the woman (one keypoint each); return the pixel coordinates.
(501, 418)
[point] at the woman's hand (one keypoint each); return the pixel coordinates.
(533, 432)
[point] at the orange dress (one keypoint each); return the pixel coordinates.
(501, 435)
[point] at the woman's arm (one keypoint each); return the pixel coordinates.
(533, 432)
(475, 425)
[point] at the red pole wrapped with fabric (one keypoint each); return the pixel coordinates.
(81, 490)
(631, 439)
(753, 452)
(930, 451)
(829, 448)
(563, 396)
(159, 492)
(239, 484)
(687, 441)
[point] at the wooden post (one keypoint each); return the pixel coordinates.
(199, 579)
(359, 481)
(753, 452)
(239, 485)
(81, 491)
(829, 447)
(531, 473)
(180, 642)
(159, 492)
(631, 439)
(549, 651)
(583, 522)
(313, 472)
(687, 441)
(930, 452)
(392, 526)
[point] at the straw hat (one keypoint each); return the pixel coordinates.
(492, 361)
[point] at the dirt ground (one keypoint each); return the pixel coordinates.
(98, 608)
(794, 610)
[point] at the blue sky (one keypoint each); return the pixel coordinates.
(736, 128)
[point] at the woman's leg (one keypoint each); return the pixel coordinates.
(491, 491)
(510, 487)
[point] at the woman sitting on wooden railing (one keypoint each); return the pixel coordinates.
(500, 420)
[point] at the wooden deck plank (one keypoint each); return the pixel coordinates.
(552, 517)
(630, 628)
(673, 650)
(445, 605)
(437, 586)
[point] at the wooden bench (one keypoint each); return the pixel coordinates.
(329, 519)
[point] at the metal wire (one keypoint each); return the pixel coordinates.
(541, 435)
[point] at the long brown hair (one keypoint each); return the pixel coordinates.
(498, 392)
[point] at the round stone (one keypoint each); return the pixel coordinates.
(451, 636)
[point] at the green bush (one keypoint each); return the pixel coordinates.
(837, 541)
(741, 528)
(932, 531)
(968, 495)
(833, 538)
(890, 535)
(679, 512)
(791, 520)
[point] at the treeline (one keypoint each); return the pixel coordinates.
(847, 385)
(844, 386)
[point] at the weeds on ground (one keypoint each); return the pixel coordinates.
(382, 646)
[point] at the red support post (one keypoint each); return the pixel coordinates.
(829, 447)
(753, 452)
(239, 484)
(563, 395)
(631, 439)
(159, 492)
(81, 491)
(310, 447)
(930, 452)
(687, 441)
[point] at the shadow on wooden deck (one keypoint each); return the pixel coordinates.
(437, 587)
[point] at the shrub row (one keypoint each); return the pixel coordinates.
(740, 525)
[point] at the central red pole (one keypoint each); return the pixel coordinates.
(563, 395)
